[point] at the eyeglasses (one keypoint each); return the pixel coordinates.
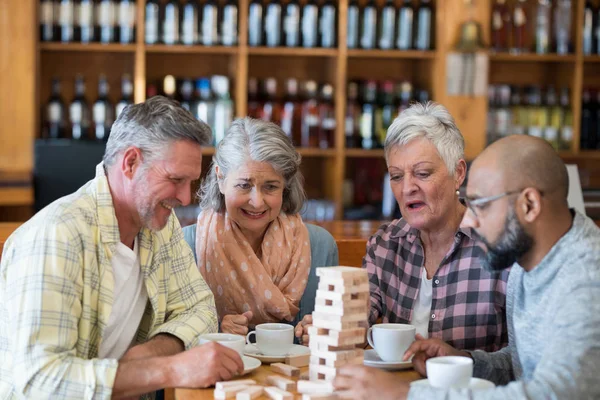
(479, 203)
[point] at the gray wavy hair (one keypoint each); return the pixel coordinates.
(152, 126)
(252, 139)
(433, 122)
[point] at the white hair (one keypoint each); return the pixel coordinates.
(433, 122)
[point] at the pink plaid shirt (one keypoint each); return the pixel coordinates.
(468, 305)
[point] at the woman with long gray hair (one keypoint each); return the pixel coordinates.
(252, 246)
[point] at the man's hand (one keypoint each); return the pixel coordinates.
(301, 330)
(363, 383)
(204, 365)
(236, 323)
(423, 349)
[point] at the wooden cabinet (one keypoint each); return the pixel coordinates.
(28, 66)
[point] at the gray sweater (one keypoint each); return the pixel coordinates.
(553, 316)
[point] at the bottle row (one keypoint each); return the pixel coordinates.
(371, 108)
(404, 28)
(542, 26)
(535, 111)
(207, 98)
(79, 120)
(306, 116)
(590, 120)
(86, 21)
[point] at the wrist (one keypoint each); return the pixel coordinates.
(170, 374)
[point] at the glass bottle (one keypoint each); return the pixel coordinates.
(520, 24)
(151, 22)
(47, 21)
(271, 108)
(79, 112)
(309, 24)
(273, 24)
(66, 17)
(327, 118)
(310, 116)
(254, 105)
(223, 107)
(555, 118)
(386, 112)
(562, 26)
(542, 27)
(405, 26)
(210, 24)
(587, 120)
(588, 28)
(352, 28)
(255, 19)
(229, 26)
(55, 113)
(170, 23)
(85, 31)
(103, 113)
(291, 116)
(369, 25)
(126, 21)
(566, 130)
(352, 119)
(186, 93)
(327, 24)
(106, 14)
(189, 23)
(126, 94)
(501, 26)
(367, 117)
(424, 26)
(387, 26)
(204, 106)
(291, 24)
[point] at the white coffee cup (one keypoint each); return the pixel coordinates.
(391, 341)
(235, 342)
(449, 372)
(273, 339)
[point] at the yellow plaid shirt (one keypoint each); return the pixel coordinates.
(56, 295)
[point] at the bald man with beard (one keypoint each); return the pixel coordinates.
(517, 200)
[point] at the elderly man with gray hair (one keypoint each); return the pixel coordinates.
(100, 296)
(424, 269)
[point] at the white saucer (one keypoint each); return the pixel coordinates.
(296, 350)
(475, 384)
(250, 364)
(373, 360)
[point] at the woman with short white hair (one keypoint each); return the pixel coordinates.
(424, 269)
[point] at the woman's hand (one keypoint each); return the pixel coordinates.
(301, 330)
(422, 349)
(236, 323)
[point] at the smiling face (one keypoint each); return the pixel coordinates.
(422, 185)
(253, 196)
(165, 183)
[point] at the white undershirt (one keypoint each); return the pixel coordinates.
(129, 302)
(422, 308)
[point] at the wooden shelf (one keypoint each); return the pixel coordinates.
(292, 51)
(591, 59)
(528, 57)
(304, 152)
(409, 54)
(309, 152)
(582, 155)
(91, 47)
(362, 153)
(183, 49)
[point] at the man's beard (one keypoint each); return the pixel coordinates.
(146, 205)
(512, 245)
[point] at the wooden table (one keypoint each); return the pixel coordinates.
(260, 376)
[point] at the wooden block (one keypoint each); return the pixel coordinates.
(341, 272)
(314, 360)
(324, 369)
(336, 341)
(304, 376)
(330, 396)
(224, 384)
(281, 382)
(228, 392)
(346, 333)
(346, 304)
(284, 369)
(338, 355)
(341, 289)
(298, 361)
(278, 394)
(339, 318)
(323, 347)
(317, 375)
(343, 311)
(250, 393)
(337, 325)
(335, 296)
(315, 387)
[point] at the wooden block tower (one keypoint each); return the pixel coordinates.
(341, 306)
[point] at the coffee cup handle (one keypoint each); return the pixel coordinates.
(370, 337)
(248, 337)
